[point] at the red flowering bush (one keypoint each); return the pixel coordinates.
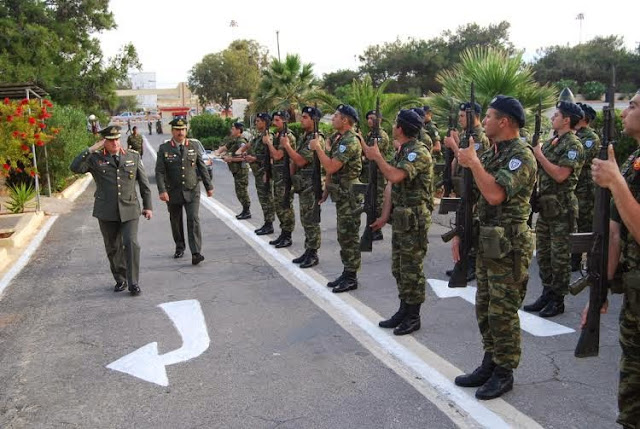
(22, 124)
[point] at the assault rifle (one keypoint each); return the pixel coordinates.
(266, 163)
(533, 201)
(596, 244)
(286, 171)
(464, 207)
(447, 180)
(316, 175)
(371, 194)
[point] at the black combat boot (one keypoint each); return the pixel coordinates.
(480, 375)
(311, 260)
(540, 303)
(501, 382)
(265, 229)
(245, 214)
(377, 235)
(411, 321)
(396, 319)
(301, 258)
(349, 282)
(286, 240)
(277, 240)
(576, 262)
(337, 281)
(554, 307)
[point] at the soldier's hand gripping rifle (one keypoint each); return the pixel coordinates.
(316, 173)
(535, 207)
(286, 169)
(371, 195)
(596, 244)
(464, 212)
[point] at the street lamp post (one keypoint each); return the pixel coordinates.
(278, 42)
(580, 18)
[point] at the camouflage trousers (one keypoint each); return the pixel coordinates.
(286, 216)
(307, 201)
(241, 184)
(408, 249)
(553, 251)
(585, 212)
(265, 196)
(382, 183)
(629, 388)
(348, 227)
(502, 285)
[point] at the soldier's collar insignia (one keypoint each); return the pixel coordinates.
(514, 164)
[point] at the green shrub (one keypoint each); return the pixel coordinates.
(72, 139)
(20, 196)
(567, 83)
(624, 145)
(208, 125)
(211, 143)
(593, 90)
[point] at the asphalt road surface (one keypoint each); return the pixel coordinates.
(248, 340)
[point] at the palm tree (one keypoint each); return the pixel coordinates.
(285, 85)
(493, 72)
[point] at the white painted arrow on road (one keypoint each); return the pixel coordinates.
(147, 364)
(534, 325)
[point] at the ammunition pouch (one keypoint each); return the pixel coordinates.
(494, 243)
(631, 284)
(549, 206)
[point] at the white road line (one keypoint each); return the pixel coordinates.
(427, 372)
(26, 255)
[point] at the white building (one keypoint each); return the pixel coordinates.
(145, 80)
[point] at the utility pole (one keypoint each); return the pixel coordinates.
(580, 18)
(278, 42)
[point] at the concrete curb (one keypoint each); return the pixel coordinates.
(25, 227)
(76, 188)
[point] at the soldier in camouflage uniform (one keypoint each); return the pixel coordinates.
(343, 166)
(431, 128)
(624, 237)
(504, 178)
(116, 205)
(178, 166)
(302, 184)
(388, 153)
(264, 186)
(585, 191)
(410, 175)
(481, 144)
(234, 148)
(286, 214)
(423, 136)
(134, 142)
(560, 160)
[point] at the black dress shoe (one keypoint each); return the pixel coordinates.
(120, 286)
(301, 258)
(134, 290)
(311, 260)
(178, 254)
(196, 258)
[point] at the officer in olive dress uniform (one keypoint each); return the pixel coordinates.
(410, 177)
(342, 168)
(116, 206)
(177, 168)
(624, 262)
(135, 142)
(504, 177)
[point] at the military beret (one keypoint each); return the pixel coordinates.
(589, 112)
(179, 124)
(419, 111)
(314, 112)
(112, 132)
(372, 112)
(467, 105)
(265, 116)
(347, 110)
(282, 113)
(509, 106)
(410, 118)
(238, 125)
(426, 108)
(570, 109)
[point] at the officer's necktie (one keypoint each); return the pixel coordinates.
(116, 160)
(181, 151)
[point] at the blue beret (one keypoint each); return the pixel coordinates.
(419, 111)
(570, 109)
(509, 106)
(426, 108)
(589, 112)
(410, 118)
(467, 105)
(347, 110)
(314, 112)
(238, 125)
(282, 113)
(265, 116)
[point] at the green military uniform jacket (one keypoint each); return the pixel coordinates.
(302, 178)
(232, 146)
(630, 249)
(591, 146)
(115, 196)
(415, 191)
(177, 174)
(346, 149)
(432, 130)
(276, 145)
(135, 142)
(258, 149)
(425, 139)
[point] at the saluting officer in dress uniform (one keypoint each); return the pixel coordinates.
(177, 168)
(116, 204)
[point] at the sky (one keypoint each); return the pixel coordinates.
(171, 39)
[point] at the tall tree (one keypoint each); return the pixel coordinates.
(231, 73)
(332, 82)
